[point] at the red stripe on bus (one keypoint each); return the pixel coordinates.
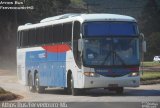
(59, 48)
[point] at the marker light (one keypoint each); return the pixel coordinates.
(133, 74)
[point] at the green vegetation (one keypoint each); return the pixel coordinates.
(6, 95)
(149, 25)
(150, 76)
(2, 91)
(150, 64)
(77, 2)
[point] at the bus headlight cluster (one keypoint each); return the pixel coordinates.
(91, 74)
(134, 74)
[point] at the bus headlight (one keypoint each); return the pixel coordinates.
(134, 74)
(91, 74)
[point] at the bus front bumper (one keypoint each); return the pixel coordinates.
(104, 82)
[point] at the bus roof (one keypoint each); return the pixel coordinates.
(77, 17)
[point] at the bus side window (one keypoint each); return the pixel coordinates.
(40, 35)
(48, 35)
(76, 36)
(25, 38)
(32, 37)
(29, 37)
(37, 35)
(67, 32)
(58, 33)
(76, 30)
(18, 39)
(53, 33)
(21, 39)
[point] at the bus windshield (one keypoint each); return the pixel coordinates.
(111, 51)
(93, 29)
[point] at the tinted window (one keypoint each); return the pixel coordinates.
(67, 32)
(48, 35)
(32, 37)
(25, 38)
(45, 35)
(58, 33)
(110, 28)
(40, 35)
(76, 36)
(111, 51)
(21, 39)
(18, 38)
(76, 30)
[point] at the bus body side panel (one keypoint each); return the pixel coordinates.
(51, 66)
(56, 69)
(36, 62)
(50, 63)
(56, 64)
(76, 72)
(21, 66)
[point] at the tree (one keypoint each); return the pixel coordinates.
(153, 45)
(150, 18)
(149, 25)
(44, 8)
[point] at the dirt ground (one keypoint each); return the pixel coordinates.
(6, 95)
(8, 80)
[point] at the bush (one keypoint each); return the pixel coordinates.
(2, 91)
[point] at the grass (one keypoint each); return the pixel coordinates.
(2, 91)
(150, 76)
(150, 64)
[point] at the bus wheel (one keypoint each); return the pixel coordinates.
(39, 88)
(73, 90)
(30, 83)
(120, 90)
(70, 86)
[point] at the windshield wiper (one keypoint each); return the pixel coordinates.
(109, 54)
(122, 61)
(106, 58)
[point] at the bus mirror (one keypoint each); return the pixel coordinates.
(142, 36)
(80, 44)
(144, 48)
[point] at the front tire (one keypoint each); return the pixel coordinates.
(39, 88)
(71, 89)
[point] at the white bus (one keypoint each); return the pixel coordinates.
(79, 51)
